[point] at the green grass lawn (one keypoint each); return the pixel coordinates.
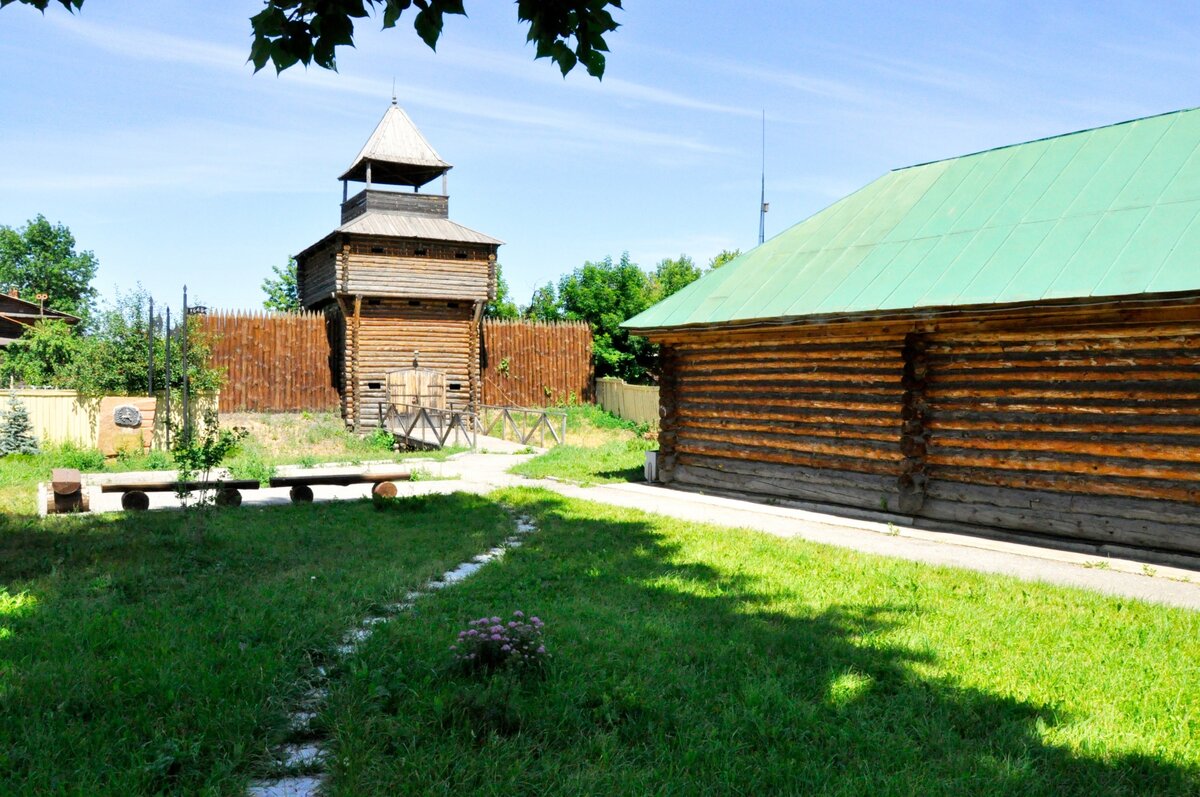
(153, 654)
(693, 660)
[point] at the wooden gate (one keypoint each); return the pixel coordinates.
(416, 387)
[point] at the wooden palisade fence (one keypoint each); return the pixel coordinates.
(535, 363)
(273, 361)
(280, 362)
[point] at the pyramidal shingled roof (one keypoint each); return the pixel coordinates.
(1111, 211)
(398, 154)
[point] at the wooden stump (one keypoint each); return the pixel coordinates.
(384, 490)
(66, 492)
(135, 501)
(228, 496)
(301, 494)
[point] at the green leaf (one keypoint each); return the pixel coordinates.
(429, 26)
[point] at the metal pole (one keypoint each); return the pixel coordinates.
(150, 351)
(167, 366)
(183, 354)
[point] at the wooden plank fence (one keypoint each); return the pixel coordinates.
(638, 403)
(58, 416)
(536, 363)
(273, 361)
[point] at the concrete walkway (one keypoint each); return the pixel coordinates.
(482, 473)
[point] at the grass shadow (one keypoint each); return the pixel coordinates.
(682, 667)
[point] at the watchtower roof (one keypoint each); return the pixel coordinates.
(397, 153)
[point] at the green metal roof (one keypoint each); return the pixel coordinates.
(1111, 211)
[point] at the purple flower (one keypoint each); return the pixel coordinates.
(518, 613)
(495, 619)
(541, 649)
(495, 637)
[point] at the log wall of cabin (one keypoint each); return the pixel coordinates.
(1081, 430)
(1089, 433)
(317, 275)
(380, 266)
(385, 337)
(785, 416)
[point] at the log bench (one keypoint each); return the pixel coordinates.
(134, 498)
(301, 484)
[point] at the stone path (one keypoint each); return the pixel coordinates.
(299, 762)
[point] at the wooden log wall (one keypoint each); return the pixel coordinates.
(387, 335)
(389, 267)
(535, 363)
(274, 362)
(1087, 433)
(316, 276)
(782, 415)
(1081, 429)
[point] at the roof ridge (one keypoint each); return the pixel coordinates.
(1046, 138)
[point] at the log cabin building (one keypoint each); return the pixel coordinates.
(400, 283)
(1006, 343)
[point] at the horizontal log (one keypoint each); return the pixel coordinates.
(830, 430)
(1076, 391)
(815, 400)
(795, 414)
(1113, 422)
(768, 373)
(340, 479)
(1116, 376)
(1121, 507)
(1166, 490)
(847, 447)
(172, 486)
(1100, 467)
(1109, 407)
(1148, 447)
(874, 497)
(1095, 528)
(764, 454)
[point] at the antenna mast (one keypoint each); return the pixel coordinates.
(763, 207)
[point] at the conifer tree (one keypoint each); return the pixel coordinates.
(16, 430)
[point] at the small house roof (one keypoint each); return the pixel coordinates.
(1106, 212)
(398, 154)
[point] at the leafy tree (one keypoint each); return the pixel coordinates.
(502, 306)
(111, 359)
(283, 293)
(604, 294)
(288, 32)
(43, 356)
(41, 258)
(723, 257)
(16, 430)
(543, 306)
(672, 274)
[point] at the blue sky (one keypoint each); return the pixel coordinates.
(140, 126)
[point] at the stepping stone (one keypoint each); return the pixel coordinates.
(305, 786)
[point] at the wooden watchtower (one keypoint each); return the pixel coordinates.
(400, 283)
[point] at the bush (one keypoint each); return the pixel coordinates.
(488, 645)
(380, 440)
(69, 455)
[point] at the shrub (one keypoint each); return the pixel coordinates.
(82, 459)
(380, 440)
(488, 645)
